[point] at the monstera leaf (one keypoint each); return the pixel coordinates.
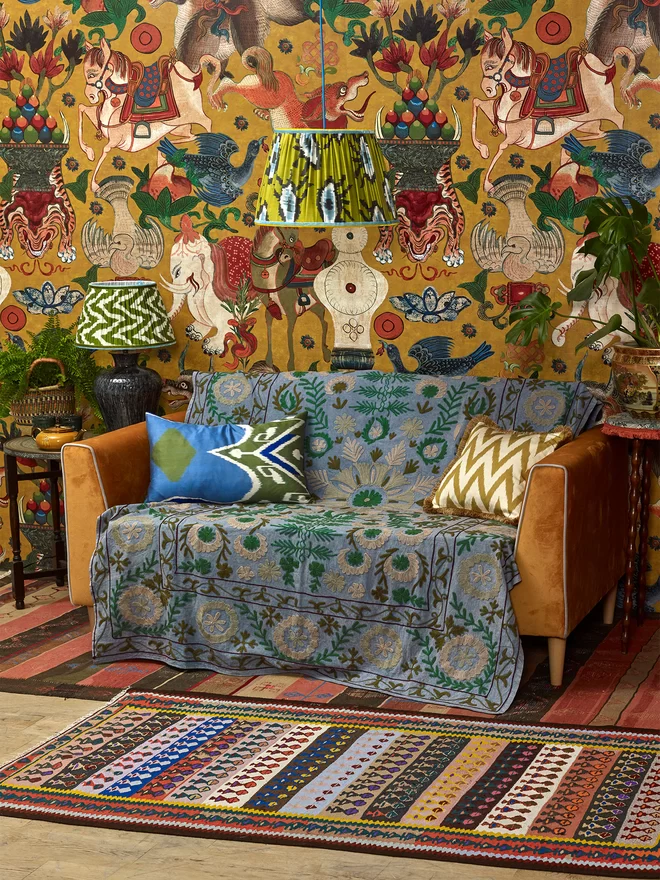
(430, 307)
(535, 313)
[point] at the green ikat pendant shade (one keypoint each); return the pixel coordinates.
(124, 315)
(325, 178)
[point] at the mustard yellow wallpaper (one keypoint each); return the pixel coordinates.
(135, 133)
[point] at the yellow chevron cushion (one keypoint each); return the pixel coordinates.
(487, 478)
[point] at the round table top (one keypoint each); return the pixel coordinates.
(625, 424)
(25, 447)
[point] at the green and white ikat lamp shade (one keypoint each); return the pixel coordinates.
(125, 317)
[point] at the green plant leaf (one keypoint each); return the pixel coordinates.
(96, 19)
(353, 10)
(85, 280)
(649, 294)
(183, 205)
(583, 289)
(612, 326)
(477, 287)
(145, 202)
(534, 314)
(78, 187)
(6, 186)
(470, 187)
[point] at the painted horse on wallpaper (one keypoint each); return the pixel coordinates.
(133, 107)
(283, 272)
(625, 30)
(535, 101)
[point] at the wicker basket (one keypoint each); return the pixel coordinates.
(52, 400)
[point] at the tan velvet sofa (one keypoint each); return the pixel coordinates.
(570, 546)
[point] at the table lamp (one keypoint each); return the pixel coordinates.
(125, 317)
(334, 178)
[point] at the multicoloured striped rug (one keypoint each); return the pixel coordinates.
(571, 799)
(46, 649)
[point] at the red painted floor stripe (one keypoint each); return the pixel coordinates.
(596, 681)
(49, 659)
(32, 619)
(644, 708)
(122, 674)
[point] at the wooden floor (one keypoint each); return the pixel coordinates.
(46, 851)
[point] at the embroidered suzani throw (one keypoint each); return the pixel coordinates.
(361, 586)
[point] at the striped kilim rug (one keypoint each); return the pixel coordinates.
(571, 799)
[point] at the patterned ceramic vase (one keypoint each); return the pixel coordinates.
(636, 373)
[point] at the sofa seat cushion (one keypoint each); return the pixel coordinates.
(396, 600)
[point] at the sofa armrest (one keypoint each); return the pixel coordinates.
(571, 542)
(99, 473)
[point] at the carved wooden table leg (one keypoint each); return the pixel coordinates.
(17, 576)
(637, 452)
(644, 531)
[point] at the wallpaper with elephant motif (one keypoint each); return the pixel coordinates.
(135, 134)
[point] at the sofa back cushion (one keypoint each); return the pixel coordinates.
(380, 438)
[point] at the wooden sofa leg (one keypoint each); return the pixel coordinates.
(557, 653)
(609, 604)
(90, 612)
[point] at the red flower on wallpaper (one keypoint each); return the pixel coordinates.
(438, 55)
(396, 57)
(10, 62)
(243, 344)
(45, 63)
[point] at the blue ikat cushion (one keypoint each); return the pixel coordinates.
(227, 463)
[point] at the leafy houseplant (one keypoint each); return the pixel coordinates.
(617, 238)
(52, 341)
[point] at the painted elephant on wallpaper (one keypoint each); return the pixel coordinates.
(206, 275)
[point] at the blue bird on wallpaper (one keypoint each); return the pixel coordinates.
(215, 179)
(433, 357)
(430, 307)
(17, 340)
(620, 169)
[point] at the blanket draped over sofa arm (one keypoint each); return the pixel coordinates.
(100, 472)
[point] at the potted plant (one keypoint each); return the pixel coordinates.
(617, 239)
(53, 345)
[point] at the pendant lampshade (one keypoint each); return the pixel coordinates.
(321, 177)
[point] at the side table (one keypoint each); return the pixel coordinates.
(642, 432)
(25, 447)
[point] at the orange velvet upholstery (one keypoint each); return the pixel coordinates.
(572, 534)
(99, 473)
(571, 538)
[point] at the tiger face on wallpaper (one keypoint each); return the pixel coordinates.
(500, 122)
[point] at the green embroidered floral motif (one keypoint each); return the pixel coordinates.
(358, 585)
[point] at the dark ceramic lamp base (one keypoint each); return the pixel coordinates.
(128, 392)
